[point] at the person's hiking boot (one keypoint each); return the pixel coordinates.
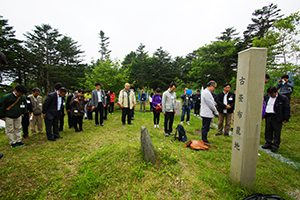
(20, 144)
(14, 145)
(226, 135)
(26, 137)
(157, 126)
(266, 146)
(218, 134)
(181, 122)
(172, 133)
(274, 149)
(166, 134)
(154, 125)
(188, 123)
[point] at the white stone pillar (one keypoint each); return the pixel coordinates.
(248, 113)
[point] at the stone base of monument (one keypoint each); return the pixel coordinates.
(147, 146)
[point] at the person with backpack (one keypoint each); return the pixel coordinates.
(169, 107)
(156, 105)
(143, 99)
(13, 106)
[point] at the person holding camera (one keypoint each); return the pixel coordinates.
(77, 109)
(286, 87)
(187, 99)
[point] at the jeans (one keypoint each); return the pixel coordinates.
(186, 109)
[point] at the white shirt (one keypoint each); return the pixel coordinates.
(58, 102)
(225, 101)
(99, 96)
(270, 105)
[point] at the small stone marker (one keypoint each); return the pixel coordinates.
(247, 117)
(178, 111)
(147, 146)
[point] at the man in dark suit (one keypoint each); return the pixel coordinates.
(98, 103)
(277, 111)
(57, 86)
(52, 108)
(225, 102)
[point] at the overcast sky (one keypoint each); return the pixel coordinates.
(179, 27)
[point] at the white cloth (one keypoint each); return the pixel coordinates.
(208, 107)
(270, 105)
(225, 101)
(99, 96)
(59, 99)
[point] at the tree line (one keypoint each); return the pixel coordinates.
(46, 57)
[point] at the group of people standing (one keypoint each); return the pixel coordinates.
(20, 111)
(276, 109)
(16, 108)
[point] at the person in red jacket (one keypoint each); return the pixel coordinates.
(112, 102)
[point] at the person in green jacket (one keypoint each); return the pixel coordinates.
(12, 107)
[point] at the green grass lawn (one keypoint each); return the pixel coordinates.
(107, 163)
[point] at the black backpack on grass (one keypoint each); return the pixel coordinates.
(181, 134)
(263, 197)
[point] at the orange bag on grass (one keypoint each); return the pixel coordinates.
(198, 145)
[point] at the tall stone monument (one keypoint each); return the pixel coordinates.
(247, 116)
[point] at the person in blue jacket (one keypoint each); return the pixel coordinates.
(143, 99)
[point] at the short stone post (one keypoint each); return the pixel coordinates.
(247, 117)
(178, 111)
(147, 146)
